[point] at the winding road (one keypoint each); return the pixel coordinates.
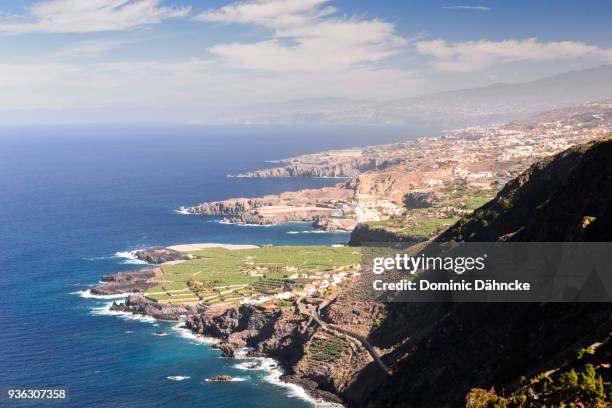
(305, 310)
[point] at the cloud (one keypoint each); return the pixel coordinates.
(82, 16)
(305, 50)
(305, 36)
(473, 8)
(268, 12)
(478, 55)
(87, 48)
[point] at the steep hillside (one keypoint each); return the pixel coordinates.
(442, 351)
(566, 197)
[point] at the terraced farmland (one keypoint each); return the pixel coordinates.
(223, 275)
(326, 348)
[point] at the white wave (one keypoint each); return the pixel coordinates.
(226, 221)
(178, 377)
(255, 365)
(273, 377)
(130, 258)
(293, 232)
(183, 212)
(295, 391)
(99, 258)
(105, 311)
(86, 294)
(189, 335)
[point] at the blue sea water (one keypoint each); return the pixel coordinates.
(71, 198)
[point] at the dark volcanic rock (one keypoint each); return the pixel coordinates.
(227, 350)
(126, 282)
(139, 304)
(220, 378)
(420, 199)
(160, 255)
(312, 388)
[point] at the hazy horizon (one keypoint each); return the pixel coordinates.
(270, 61)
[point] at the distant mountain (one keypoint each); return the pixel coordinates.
(492, 104)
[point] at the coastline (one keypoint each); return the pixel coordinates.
(276, 368)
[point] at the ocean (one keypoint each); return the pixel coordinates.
(74, 199)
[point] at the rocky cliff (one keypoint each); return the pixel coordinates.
(326, 167)
(304, 205)
(126, 282)
(324, 363)
(159, 255)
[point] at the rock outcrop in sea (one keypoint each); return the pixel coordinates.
(126, 282)
(138, 304)
(160, 255)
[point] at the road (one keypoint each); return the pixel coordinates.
(305, 310)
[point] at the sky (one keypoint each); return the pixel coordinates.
(198, 60)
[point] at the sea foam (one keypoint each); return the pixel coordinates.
(178, 377)
(104, 310)
(86, 294)
(130, 258)
(185, 333)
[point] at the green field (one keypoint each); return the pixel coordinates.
(425, 223)
(223, 275)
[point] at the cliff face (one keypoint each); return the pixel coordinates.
(229, 207)
(326, 168)
(444, 350)
(325, 364)
(303, 205)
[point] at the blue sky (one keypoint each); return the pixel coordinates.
(178, 59)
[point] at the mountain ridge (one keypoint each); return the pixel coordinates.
(485, 105)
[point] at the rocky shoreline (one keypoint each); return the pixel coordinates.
(280, 335)
(138, 304)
